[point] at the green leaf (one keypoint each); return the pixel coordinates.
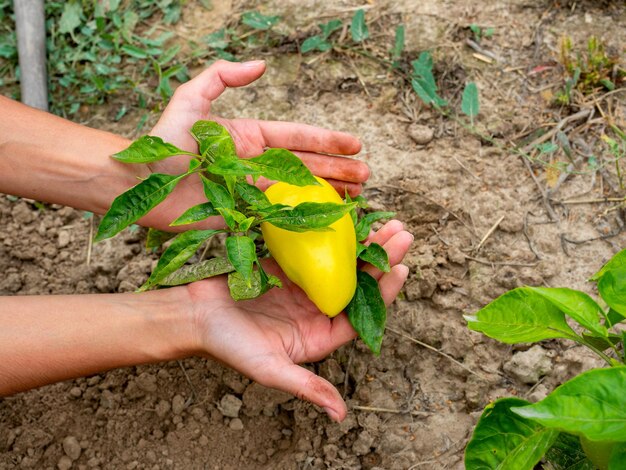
(576, 305)
(217, 194)
(315, 43)
(217, 40)
(134, 51)
(470, 104)
(592, 405)
(618, 457)
(182, 248)
(567, 454)
(242, 290)
(398, 46)
(233, 167)
(364, 226)
(505, 441)
(282, 165)
(71, 17)
(330, 27)
(309, 216)
(367, 312)
(617, 261)
(256, 20)
(156, 238)
(234, 219)
(242, 255)
(132, 205)
(612, 288)
(376, 255)
(195, 214)
(360, 248)
(196, 272)
(601, 342)
(358, 28)
(613, 318)
(213, 140)
(423, 81)
(252, 195)
(148, 149)
(521, 316)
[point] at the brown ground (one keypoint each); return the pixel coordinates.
(449, 189)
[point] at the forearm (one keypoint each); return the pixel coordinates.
(45, 339)
(50, 159)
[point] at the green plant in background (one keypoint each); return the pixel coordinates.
(588, 70)
(244, 208)
(480, 33)
(582, 423)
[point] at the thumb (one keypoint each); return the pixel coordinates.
(222, 74)
(306, 385)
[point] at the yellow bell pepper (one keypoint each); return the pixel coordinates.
(323, 264)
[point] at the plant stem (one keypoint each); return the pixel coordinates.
(581, 341)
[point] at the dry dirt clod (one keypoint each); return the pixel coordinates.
(230, 405)
(147, 382)
(71, 447)
(421, 135)
(236, 424)
(178, 404)
(65, 463)
(529, 366)
(363, 443)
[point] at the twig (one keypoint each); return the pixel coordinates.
(432, 348)
(482, 51)
(544, 195)
(424, 414)
(399, 188)
(488, 234)
(502, 263)
(531, 245)
(462, 165)
(194, 394)
(584, 113)
(358, 76)
(598, 200)
(90, 241)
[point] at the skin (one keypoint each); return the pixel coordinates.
(45, 339)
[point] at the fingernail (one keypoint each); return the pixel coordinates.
(253, 63)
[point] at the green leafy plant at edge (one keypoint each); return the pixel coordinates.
(243, 207)
(582, 423)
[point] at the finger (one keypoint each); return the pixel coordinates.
(334, 167)
(353, 189)
(222, 74)
(340, 333)
(396, 247)
(387, 231)
(391, 283)
(307, 138)
(306, 385)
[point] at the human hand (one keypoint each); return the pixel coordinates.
(267, 337)
(192, 102)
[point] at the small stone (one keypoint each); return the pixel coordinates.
(64, 238)
(76, 392)
(236, 424)
(64, 463)
(162, 408)
(421, 135)
(147, 382)
(363, 443)
(529, 366)
(203, 440)
(71, 447)
(230, 405)
(178, 404)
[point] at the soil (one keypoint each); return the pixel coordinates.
(411, 407)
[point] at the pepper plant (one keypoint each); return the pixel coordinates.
(226, 180)
(582, 423)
